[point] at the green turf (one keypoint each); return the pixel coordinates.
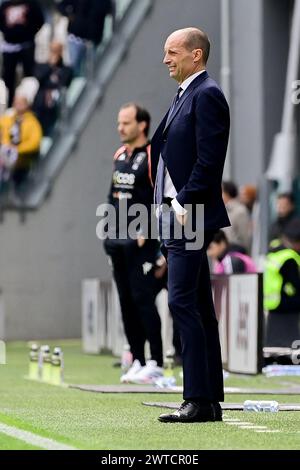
(9, 443)
(119, 421)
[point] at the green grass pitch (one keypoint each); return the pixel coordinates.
(87, 420)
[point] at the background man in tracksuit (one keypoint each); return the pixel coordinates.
(133, 260)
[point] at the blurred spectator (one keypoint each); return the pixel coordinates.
(53, 77)
(282, 288)
(247, 196)
(86, 23)
(20, 20)
(240, 231)
(28, 87)
(228, 259)
(42, 44)
(285, 211)
(20, 138)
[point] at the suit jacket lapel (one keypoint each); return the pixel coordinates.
(176, 110)
(185, 95)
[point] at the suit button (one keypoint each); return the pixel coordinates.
(164, 140)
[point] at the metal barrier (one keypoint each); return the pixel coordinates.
(238, 302)
(239, 308)
(102, 326)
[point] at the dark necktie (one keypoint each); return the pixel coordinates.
(159, 183)
(173, 105)
(177, 97)
(175, 101)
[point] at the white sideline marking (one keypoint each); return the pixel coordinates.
(33, 439)
(231, 420)
(268, 430)
(239, 423)
(253, 426)
(247, 425)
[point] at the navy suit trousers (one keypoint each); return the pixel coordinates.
(192, 309)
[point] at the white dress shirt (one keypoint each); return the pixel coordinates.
(169, 188)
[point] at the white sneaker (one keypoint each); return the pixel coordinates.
(134, 369)
(148, 374)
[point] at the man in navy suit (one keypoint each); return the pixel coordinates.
(188, 155)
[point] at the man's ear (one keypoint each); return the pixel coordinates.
(142, 126)
(198, 55)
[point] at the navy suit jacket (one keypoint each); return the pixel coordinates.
(193, 147)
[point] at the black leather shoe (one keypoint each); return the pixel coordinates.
(191, 412)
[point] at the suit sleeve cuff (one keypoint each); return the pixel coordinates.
(178, 208)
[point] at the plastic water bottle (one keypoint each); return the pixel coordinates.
(277, 370)
(45, 363)
(57, 366)
(265, 406)
(126, 359)
(169, 366)
(34, 362)
(168, 380)
(165, 382)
